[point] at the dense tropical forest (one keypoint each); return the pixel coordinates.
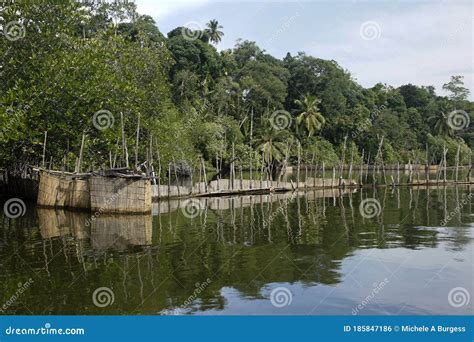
(78, 69)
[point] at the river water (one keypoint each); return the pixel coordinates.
(377, 251)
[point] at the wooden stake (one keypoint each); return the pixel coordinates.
(44, 148)
(457, 162)
(299, 162)
(204, 174)
(79, 163)
(124, 143)
(137, 142)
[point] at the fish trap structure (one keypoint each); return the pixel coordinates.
(100, 194)
(59, 190)
(129, 194)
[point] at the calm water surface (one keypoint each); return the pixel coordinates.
(314, 253)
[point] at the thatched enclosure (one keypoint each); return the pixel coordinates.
(125, 194)
(58, 190)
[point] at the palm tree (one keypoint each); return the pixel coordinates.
(273, 145)
(440, 121)
(212, 30)
(310, 116)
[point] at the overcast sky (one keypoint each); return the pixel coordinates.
(393, 42)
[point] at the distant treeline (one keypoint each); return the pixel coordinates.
(71, 69)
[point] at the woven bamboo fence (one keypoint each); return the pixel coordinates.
(120, 195)
(63, 191)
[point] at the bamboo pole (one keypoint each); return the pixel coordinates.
(445, 151)
(159, 173)
(299, 162)
(251, 175)
(176, 177)
(124, 143)
(410, 172)
(137, 142)
(241, 178)
(350, 166)
(398, 173)
(457, 162)
(232, 170)
(468, 177)
(169, 179)
(427, 167)
(324, 175)
(343, 159)
(333, 176)
(79, 162)
(204, 174)
(200, 176)
(44, 148)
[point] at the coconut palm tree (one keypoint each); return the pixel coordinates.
(213, 30)
(440, 121)
(272, 143)
(310, 117)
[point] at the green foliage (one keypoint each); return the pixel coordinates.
(77, 59)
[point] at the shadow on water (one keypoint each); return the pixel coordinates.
(326, 250)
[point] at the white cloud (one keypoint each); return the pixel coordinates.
(424, 46)
(164, 8)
